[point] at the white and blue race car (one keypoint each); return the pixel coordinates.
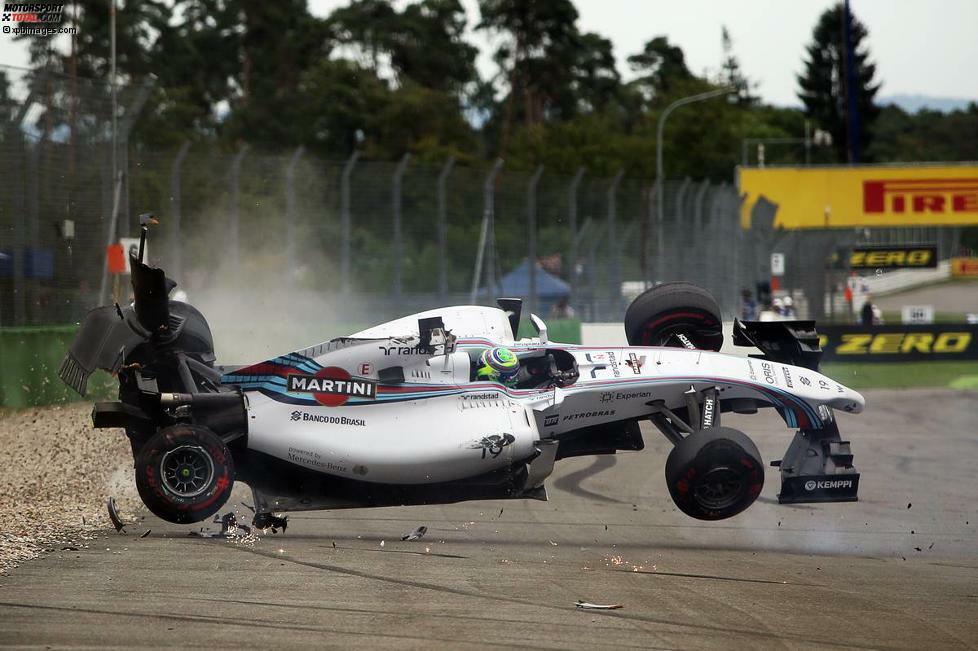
(396, 414)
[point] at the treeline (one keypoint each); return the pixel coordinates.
(387, 80)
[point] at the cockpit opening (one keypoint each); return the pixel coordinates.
(539, 368)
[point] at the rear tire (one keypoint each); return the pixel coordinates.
(715, 473)
(660, 314)
(184, 473)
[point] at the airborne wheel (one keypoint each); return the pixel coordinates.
(677, 314)
(715, 473)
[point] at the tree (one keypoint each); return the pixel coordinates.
(660, 67)
(823, 88)
(8, 107)
(926, 135)
(279, 41)
(339, 97)
(67, 105)
(595, 84)
(423, 66)
(536, 57)
(423, 43)
(731, 74)
(430, 48)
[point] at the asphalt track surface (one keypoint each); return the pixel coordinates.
(897, 570)
(957, 297)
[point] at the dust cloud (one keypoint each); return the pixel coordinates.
(260, 306)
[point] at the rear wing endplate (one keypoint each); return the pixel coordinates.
(786, 342)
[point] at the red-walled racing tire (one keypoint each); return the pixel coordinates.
(667, 313)
(715, 473)
(184, 473)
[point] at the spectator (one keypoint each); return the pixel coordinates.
(562, 309)
(788, 311)
(748, 307)
(866, 314)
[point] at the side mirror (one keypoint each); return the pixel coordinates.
(540, 327)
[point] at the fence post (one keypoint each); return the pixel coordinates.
(345, 221)
(33, 231)
(15, 135)
(486, 237)
(614, 251)
(531, 236)
(648, 228)
(234, 239)
(176, 251)
(18, 182)
(125, 129)
(398, 231)
(111, 238)
(737, 205)
(680, 228)
(572, 224)
(592, 266)
(722, 264)
(290, 213)
(695, 263)
(443, 228)
(660, 229)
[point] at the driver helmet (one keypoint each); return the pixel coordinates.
(499, 363)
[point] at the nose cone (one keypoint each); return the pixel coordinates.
(849, 401)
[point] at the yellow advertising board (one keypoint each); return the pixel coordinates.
(842, 197)
(961, 267)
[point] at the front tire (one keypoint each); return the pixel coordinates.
(184, 473)
(715, 473)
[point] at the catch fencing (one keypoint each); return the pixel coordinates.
(394, 235)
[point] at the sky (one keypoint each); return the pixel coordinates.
(921, 47)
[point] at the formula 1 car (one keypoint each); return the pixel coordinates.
(396, 415)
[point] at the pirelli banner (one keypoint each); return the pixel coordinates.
(962, 267)
(898, 343)
(841, 197)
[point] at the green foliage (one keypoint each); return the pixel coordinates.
(8, 107)
(389, 78)
(423, 43)
(926, 135)
(549, 70)
(661, 68)
(731, 74)
(822, 85)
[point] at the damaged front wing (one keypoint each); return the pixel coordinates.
(817, 467)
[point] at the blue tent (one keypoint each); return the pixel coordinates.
(517, 284)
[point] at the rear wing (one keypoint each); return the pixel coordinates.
(786, 342)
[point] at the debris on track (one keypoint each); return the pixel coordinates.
(416, 534)
(584, 605)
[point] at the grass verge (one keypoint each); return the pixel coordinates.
(904, 375)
